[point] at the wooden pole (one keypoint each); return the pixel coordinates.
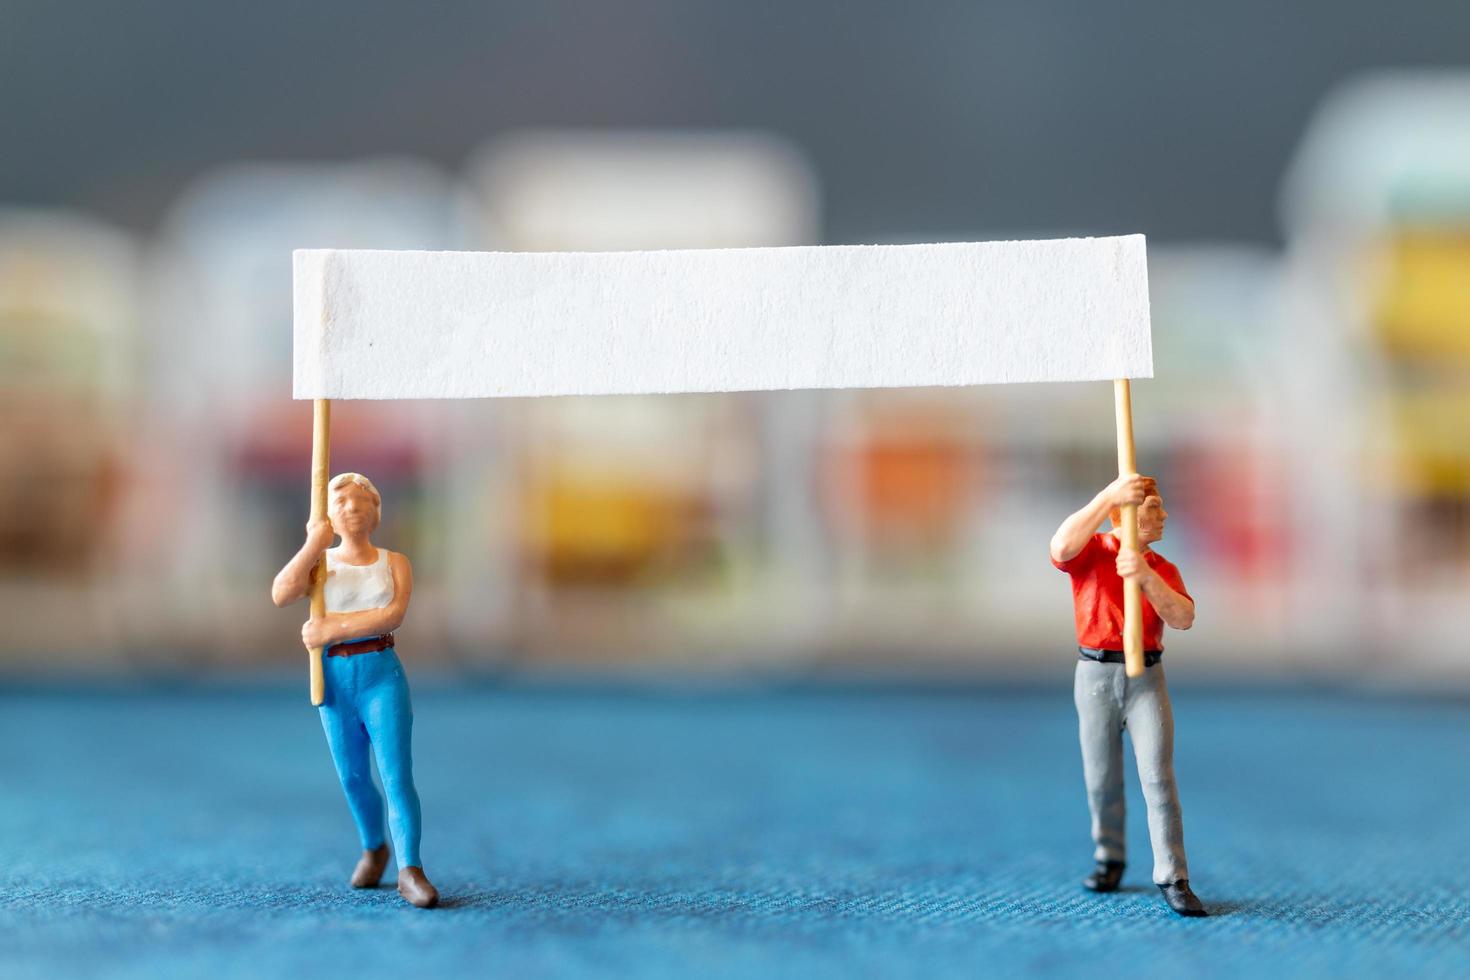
(321, 434)
(1132, 598)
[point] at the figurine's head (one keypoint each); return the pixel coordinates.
(1151, 517)
(353, 504)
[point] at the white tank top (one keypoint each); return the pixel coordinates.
(352, 588)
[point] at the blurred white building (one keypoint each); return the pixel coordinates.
(1377, 316)
(637, 527)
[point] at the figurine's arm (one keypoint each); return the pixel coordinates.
(1175, 608)
(294, 581)
(1078, 529)
(336, 627)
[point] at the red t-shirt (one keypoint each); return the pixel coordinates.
(1097, 591)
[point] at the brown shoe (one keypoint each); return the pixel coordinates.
(369, 870)
(416, 889)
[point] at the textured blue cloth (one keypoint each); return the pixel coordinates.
(806, 833)
(366, 714)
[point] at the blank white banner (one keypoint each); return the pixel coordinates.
(373, 324)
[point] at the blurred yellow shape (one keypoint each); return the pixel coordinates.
(1424, 309)
(601, 529)
(1432, 432)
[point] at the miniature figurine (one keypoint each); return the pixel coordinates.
(365, 705)
(1108, 700)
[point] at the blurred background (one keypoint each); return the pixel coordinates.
(1302, 172)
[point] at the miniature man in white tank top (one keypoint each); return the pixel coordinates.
(366, 708)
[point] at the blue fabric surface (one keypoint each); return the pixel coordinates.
(578, 833)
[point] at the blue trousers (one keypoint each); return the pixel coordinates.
(366, 712)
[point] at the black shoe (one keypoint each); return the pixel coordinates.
(1105, 877)
(1181, 899)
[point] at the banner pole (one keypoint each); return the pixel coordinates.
(1132, 597)
(321, 432)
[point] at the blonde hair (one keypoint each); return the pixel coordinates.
(342, 479)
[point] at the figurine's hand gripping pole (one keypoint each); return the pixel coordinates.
(321, 431)
(1132, 596)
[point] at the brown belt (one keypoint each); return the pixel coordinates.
(370, 645)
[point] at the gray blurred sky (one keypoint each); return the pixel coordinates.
(942, 118)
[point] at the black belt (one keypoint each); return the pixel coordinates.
(1150, 657)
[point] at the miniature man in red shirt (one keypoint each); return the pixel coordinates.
(1108, 700)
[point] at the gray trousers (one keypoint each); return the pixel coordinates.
(1107, 702)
